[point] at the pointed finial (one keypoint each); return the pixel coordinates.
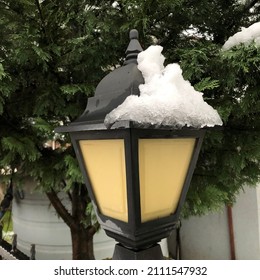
(134, 47)
(133, 34)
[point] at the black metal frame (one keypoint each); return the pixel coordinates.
(134, 233)
(139, 238)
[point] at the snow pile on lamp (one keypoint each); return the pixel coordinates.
(166, 99)
(245, 36)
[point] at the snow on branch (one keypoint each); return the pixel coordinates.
(245, 36)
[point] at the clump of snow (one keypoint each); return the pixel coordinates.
(245, 36)
(165, 98)
(115, 4)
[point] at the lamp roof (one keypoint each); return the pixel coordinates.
(112, 90)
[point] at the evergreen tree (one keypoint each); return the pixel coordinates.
(50, 63)
(53, 54)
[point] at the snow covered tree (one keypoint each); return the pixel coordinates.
(53, 53)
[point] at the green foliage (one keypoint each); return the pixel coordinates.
(23, 146)
(72, 171)
(2, 71)
(206, 83)
(43, 127)
(91, 218)
(7, 222)
(54, 52)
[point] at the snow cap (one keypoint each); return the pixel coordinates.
(166, 99)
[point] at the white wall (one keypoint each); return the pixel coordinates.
(36, 222)
(246, 225)
(207, 237)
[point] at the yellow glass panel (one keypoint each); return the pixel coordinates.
(163, 166)
(105, 164)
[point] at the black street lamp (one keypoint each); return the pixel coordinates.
(137, 177)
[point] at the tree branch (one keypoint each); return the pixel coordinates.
(60, 208)
(93, 229)
(75, 202)
(41, 18)
(79, 201)
(9, 8)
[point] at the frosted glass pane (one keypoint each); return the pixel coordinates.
(163, 166)
(105, 163)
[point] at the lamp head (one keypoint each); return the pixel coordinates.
(137, 177)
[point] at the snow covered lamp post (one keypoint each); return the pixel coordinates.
(137, 157)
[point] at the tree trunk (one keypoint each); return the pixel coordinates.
(82, 237)
(82, 243)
